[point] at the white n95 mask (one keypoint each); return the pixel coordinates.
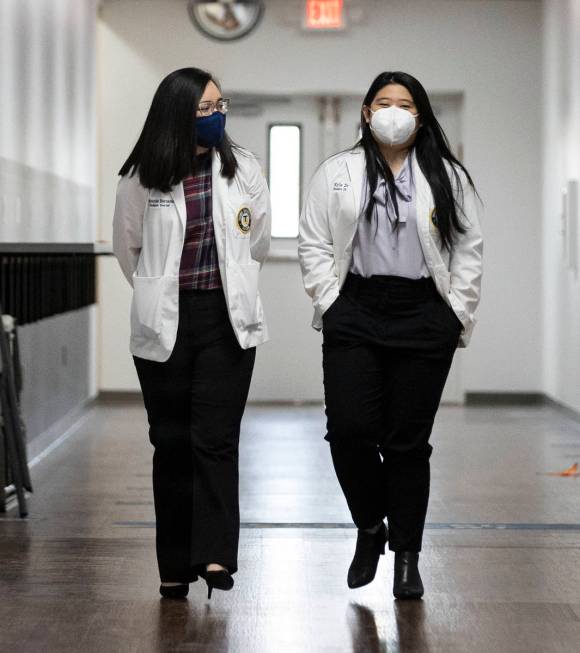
(392, 125)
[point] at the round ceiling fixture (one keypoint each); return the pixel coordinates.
(225, 20)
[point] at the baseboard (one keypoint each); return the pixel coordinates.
(284, 403)
(504, 398)
(519, 399)
(119, 396)
(132, 396)
(48, 440)
(562, 408)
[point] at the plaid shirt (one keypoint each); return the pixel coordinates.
(199, 262)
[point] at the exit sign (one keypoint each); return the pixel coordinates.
(324, 14)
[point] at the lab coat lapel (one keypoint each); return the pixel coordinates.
(221, 207)
(356, 170)
(423, 196)
(178, 195)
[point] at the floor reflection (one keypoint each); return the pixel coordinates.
(409, 636)
(363, 630)
(410, 620)
(183, 626)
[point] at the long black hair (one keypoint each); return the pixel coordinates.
(432, 150)
(165, 153)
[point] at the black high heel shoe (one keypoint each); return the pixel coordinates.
(220, 579)
(407, 582)
(174, 591)
(369, 548)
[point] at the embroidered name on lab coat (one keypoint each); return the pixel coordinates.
(340, 186)
(158, 203)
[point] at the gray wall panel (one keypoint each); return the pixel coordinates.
(55, 356)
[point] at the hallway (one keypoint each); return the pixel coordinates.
(501, 562)
(497, 80)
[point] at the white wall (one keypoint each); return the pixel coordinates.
(47, 120)
(48, 181)
(560, 99)
(488, 50)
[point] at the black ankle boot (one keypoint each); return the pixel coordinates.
(407, 583)
(369, 548)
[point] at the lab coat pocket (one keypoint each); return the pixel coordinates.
(246, 291)
(147, 305)
(331, 309)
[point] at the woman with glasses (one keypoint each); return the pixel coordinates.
(391, 253)
(191, 230)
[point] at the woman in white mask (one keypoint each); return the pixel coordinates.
(391, 253)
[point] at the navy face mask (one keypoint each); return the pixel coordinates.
(210, 129)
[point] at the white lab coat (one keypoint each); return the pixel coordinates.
(148, 236)
(328, 224)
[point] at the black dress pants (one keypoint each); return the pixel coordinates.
(195, 402)
(388, 346)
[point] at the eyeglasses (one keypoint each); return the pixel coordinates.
(207, 108)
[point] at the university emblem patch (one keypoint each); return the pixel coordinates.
(244, 219)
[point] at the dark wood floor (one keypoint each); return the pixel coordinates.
(501, 561)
